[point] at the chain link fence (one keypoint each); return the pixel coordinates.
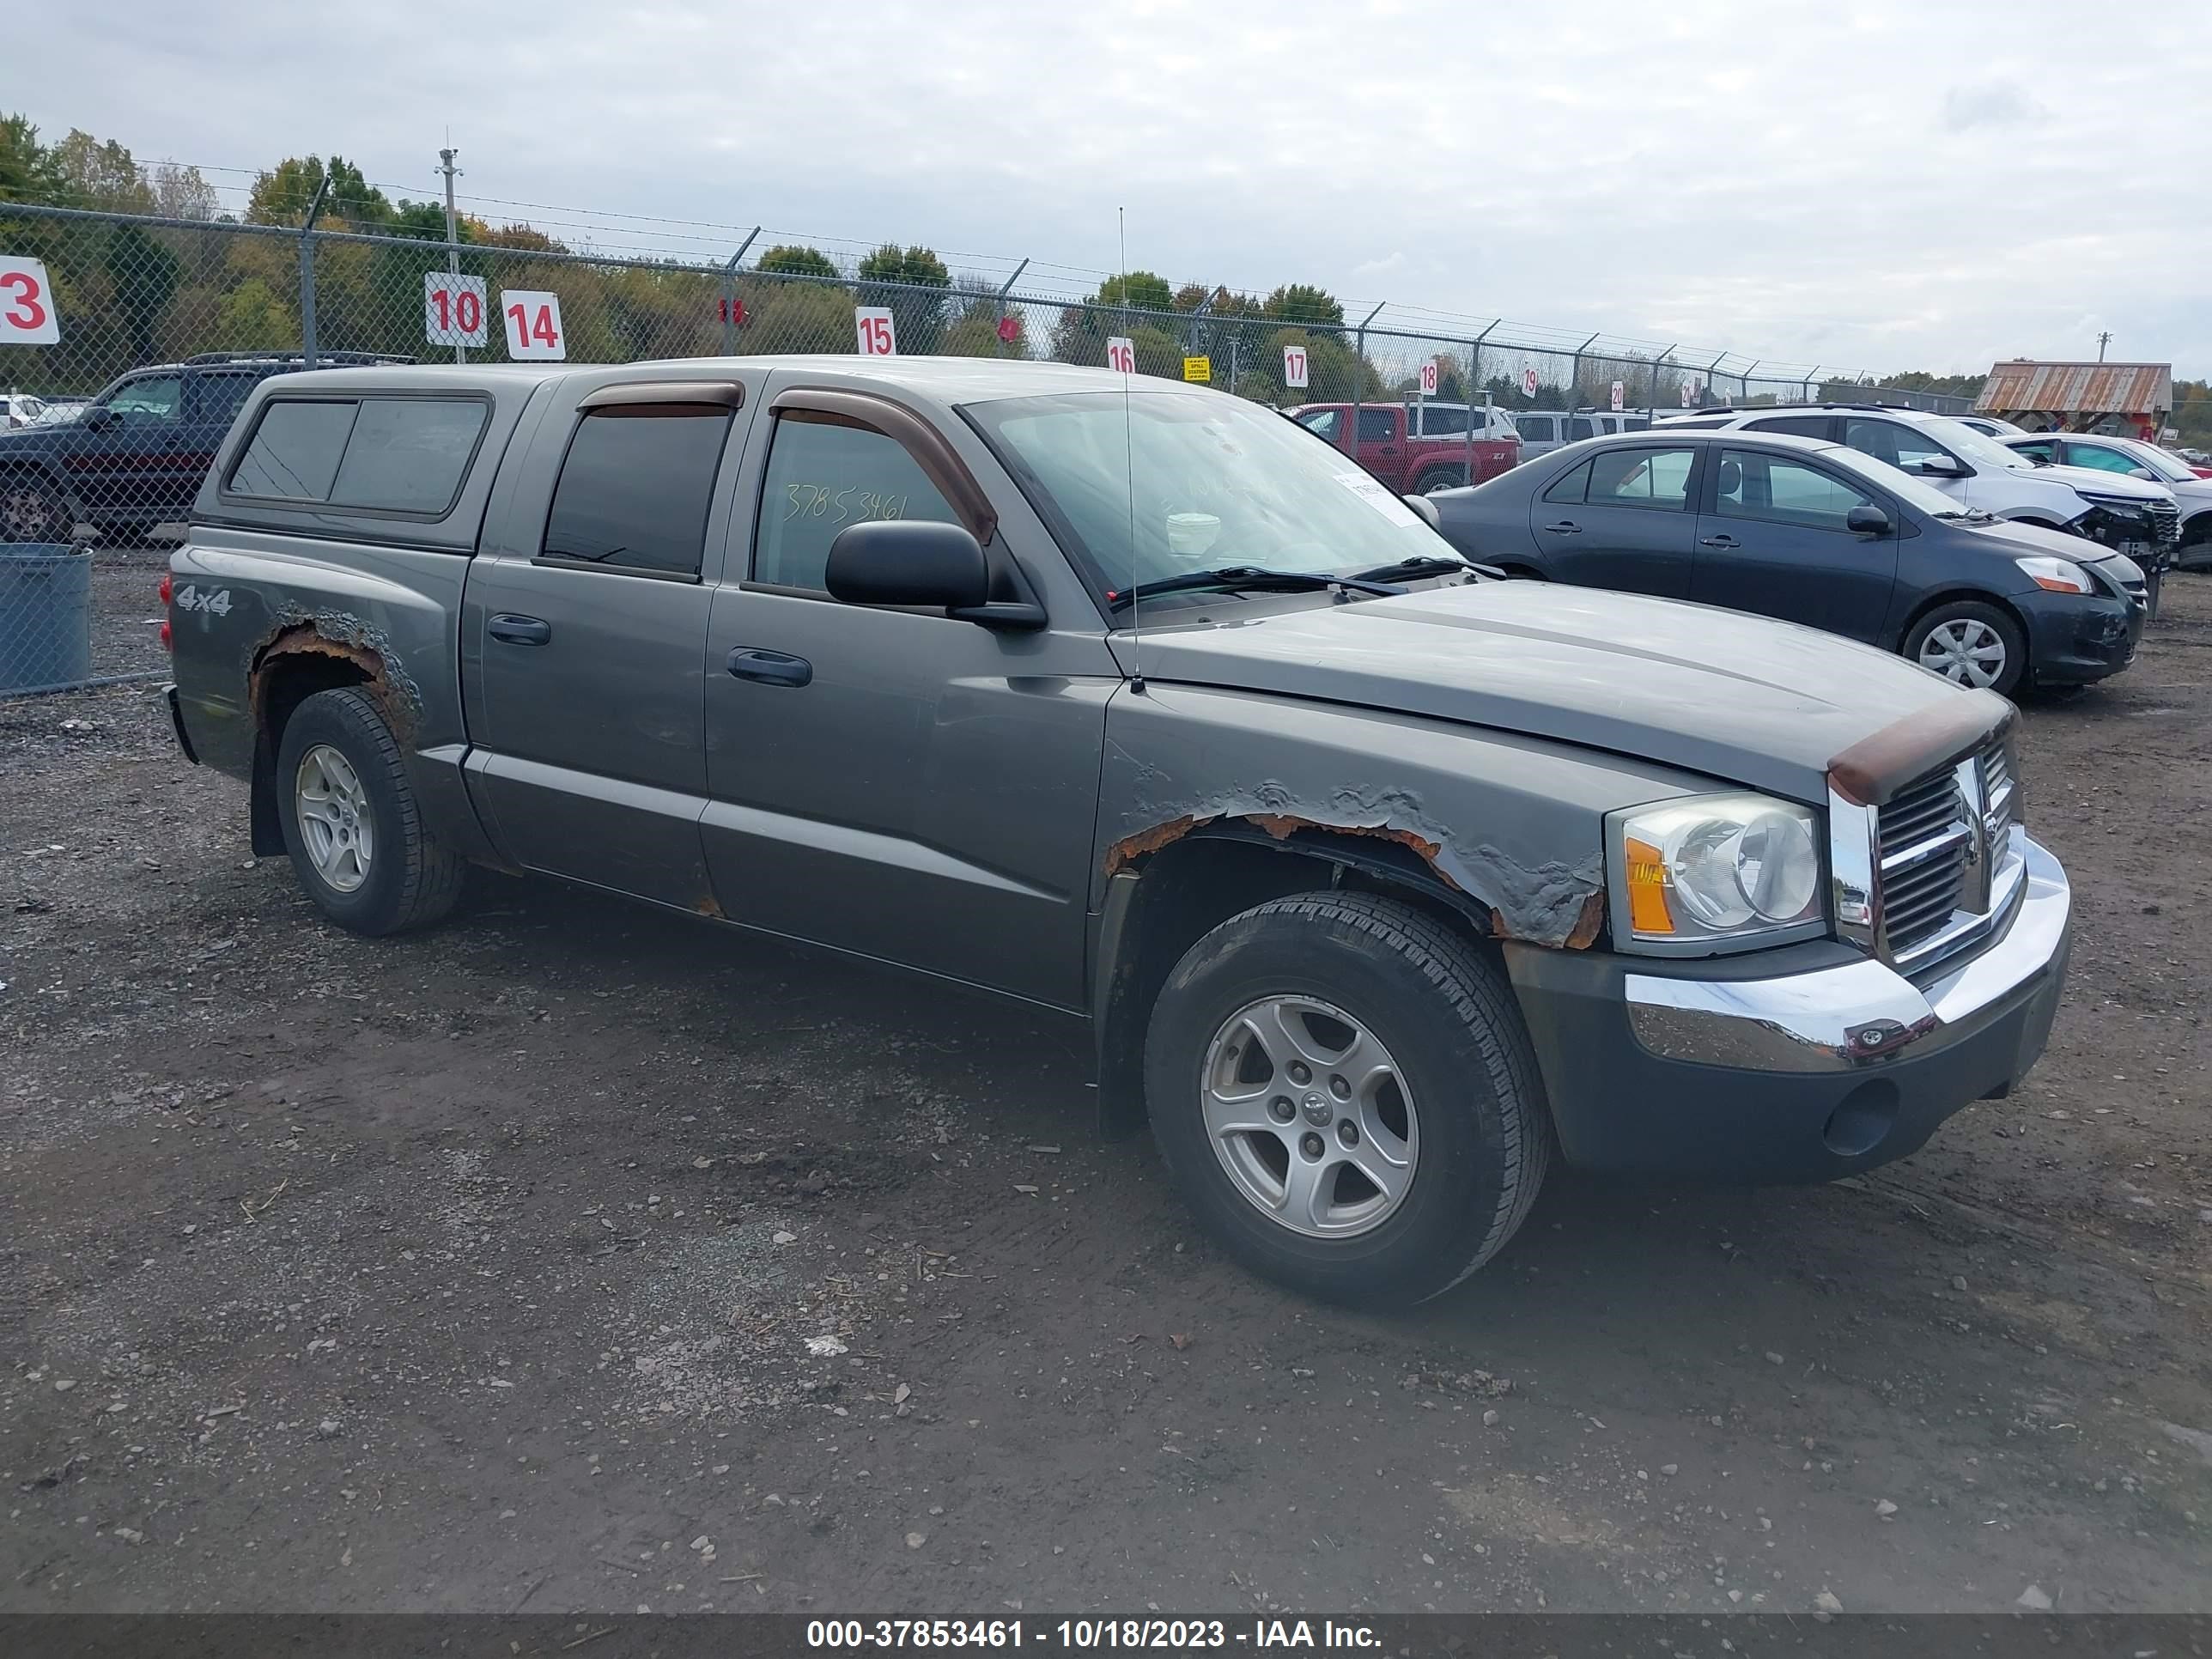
(153, 332)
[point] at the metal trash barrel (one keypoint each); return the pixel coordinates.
(45, 615)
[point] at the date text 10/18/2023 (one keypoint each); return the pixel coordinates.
(1284, 1635)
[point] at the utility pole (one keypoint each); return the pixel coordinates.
(2103, 340)
(453, 238)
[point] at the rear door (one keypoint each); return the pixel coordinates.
(590, 637)
(1774, 540)
(1622, 519)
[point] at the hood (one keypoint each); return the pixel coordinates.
(2100, 482)
(1741, 699)
(2011, 537)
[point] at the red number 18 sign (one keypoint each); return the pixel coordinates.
(27, 304)
(533, 326)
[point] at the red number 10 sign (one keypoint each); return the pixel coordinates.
(533, 326)
(453, 309)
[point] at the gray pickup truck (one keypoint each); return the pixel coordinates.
(1377, 884)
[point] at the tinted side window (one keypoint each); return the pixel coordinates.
(295, 450)
(821, 477)
(1534, 429)
(1641, 477)
(1324, 423)
(1377, 426)
(2045, 451)
(1805, 426)
(1894, 442)
(407, 454)
(1578, 428)
(1570, 486)
(636, 487)
(1437, 423)
(218, 396)
(1752, 485)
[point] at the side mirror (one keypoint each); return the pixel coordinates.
(908, 562)
(1942, 466)
(1426, 510)
(95, 417)
(2142, 472)
(1867, 521)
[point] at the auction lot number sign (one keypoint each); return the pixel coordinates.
(26, 303)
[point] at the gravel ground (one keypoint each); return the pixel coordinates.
(577, 1258)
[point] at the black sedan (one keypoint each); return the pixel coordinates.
(1811, 532)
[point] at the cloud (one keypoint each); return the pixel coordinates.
(1783, 189)
(1989, 103)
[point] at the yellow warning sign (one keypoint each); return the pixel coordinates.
(1198, 368)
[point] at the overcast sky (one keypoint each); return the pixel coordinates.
(1862, 183)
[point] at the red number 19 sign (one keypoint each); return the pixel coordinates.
(533, 326)
(27, 304)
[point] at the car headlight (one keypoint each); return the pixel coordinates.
(1714, 871)
(2133, 507)
(2059, 575)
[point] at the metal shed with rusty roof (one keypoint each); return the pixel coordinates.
(2129, 400)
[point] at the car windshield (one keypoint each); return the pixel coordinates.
(1902, 484)
(1157, 485)
(2154, 461)
(1978, 447)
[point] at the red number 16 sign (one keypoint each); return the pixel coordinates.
(27, 304)
(533, 326)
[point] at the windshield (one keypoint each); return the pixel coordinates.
(1902, 484)
(1217, 481)
(1978, 447)
(2154, 461)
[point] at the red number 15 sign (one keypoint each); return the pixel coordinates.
(27, 304)
(533, 326)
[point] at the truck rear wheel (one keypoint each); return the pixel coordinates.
(1345, 1094)
(1439, 477)
(351, 823)
(34, 509)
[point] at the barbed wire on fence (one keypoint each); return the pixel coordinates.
(128, 292)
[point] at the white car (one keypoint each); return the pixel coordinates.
(1434, 419)
(1543, 430)
(17, 410)
(2136, 516)
(2132, 458)
(1989, 426)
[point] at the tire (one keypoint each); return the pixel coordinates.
(1437, 478)
(1975, 627)
(399, 877)
(33, 508)
(1468, 1119)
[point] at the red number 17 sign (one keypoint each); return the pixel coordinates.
(533, 326)
(27, 304)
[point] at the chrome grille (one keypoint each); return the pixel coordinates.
(2165, 523)
(1997, 791)
(1926, 838)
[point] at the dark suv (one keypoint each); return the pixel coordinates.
(135, 457)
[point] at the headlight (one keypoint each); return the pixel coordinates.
(2059, 575)
(1713, 869)
(2133, 507)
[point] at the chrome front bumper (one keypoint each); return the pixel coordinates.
(1860, 1015)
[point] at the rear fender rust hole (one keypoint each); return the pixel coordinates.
(1863, 1119)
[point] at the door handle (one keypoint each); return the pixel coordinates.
(1565, 527)
(1718, 541)
(519, 630)
(770, 667)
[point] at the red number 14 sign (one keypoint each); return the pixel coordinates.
(533, 326)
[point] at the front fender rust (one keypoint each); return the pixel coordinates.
(345, 639)
(1548, 903)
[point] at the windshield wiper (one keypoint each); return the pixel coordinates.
(1246, 577)
(1971, 515)
(1414, 569)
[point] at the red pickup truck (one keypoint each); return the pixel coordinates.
(1404, 448)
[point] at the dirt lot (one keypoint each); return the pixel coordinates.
(577, 1258)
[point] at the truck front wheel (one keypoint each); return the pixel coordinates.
(31, 509)
(351, 823)
(1343, 1091)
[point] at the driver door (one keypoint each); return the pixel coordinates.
(122, 465)
(894, 782)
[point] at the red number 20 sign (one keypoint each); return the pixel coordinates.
(533, 326)
(27, 304)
